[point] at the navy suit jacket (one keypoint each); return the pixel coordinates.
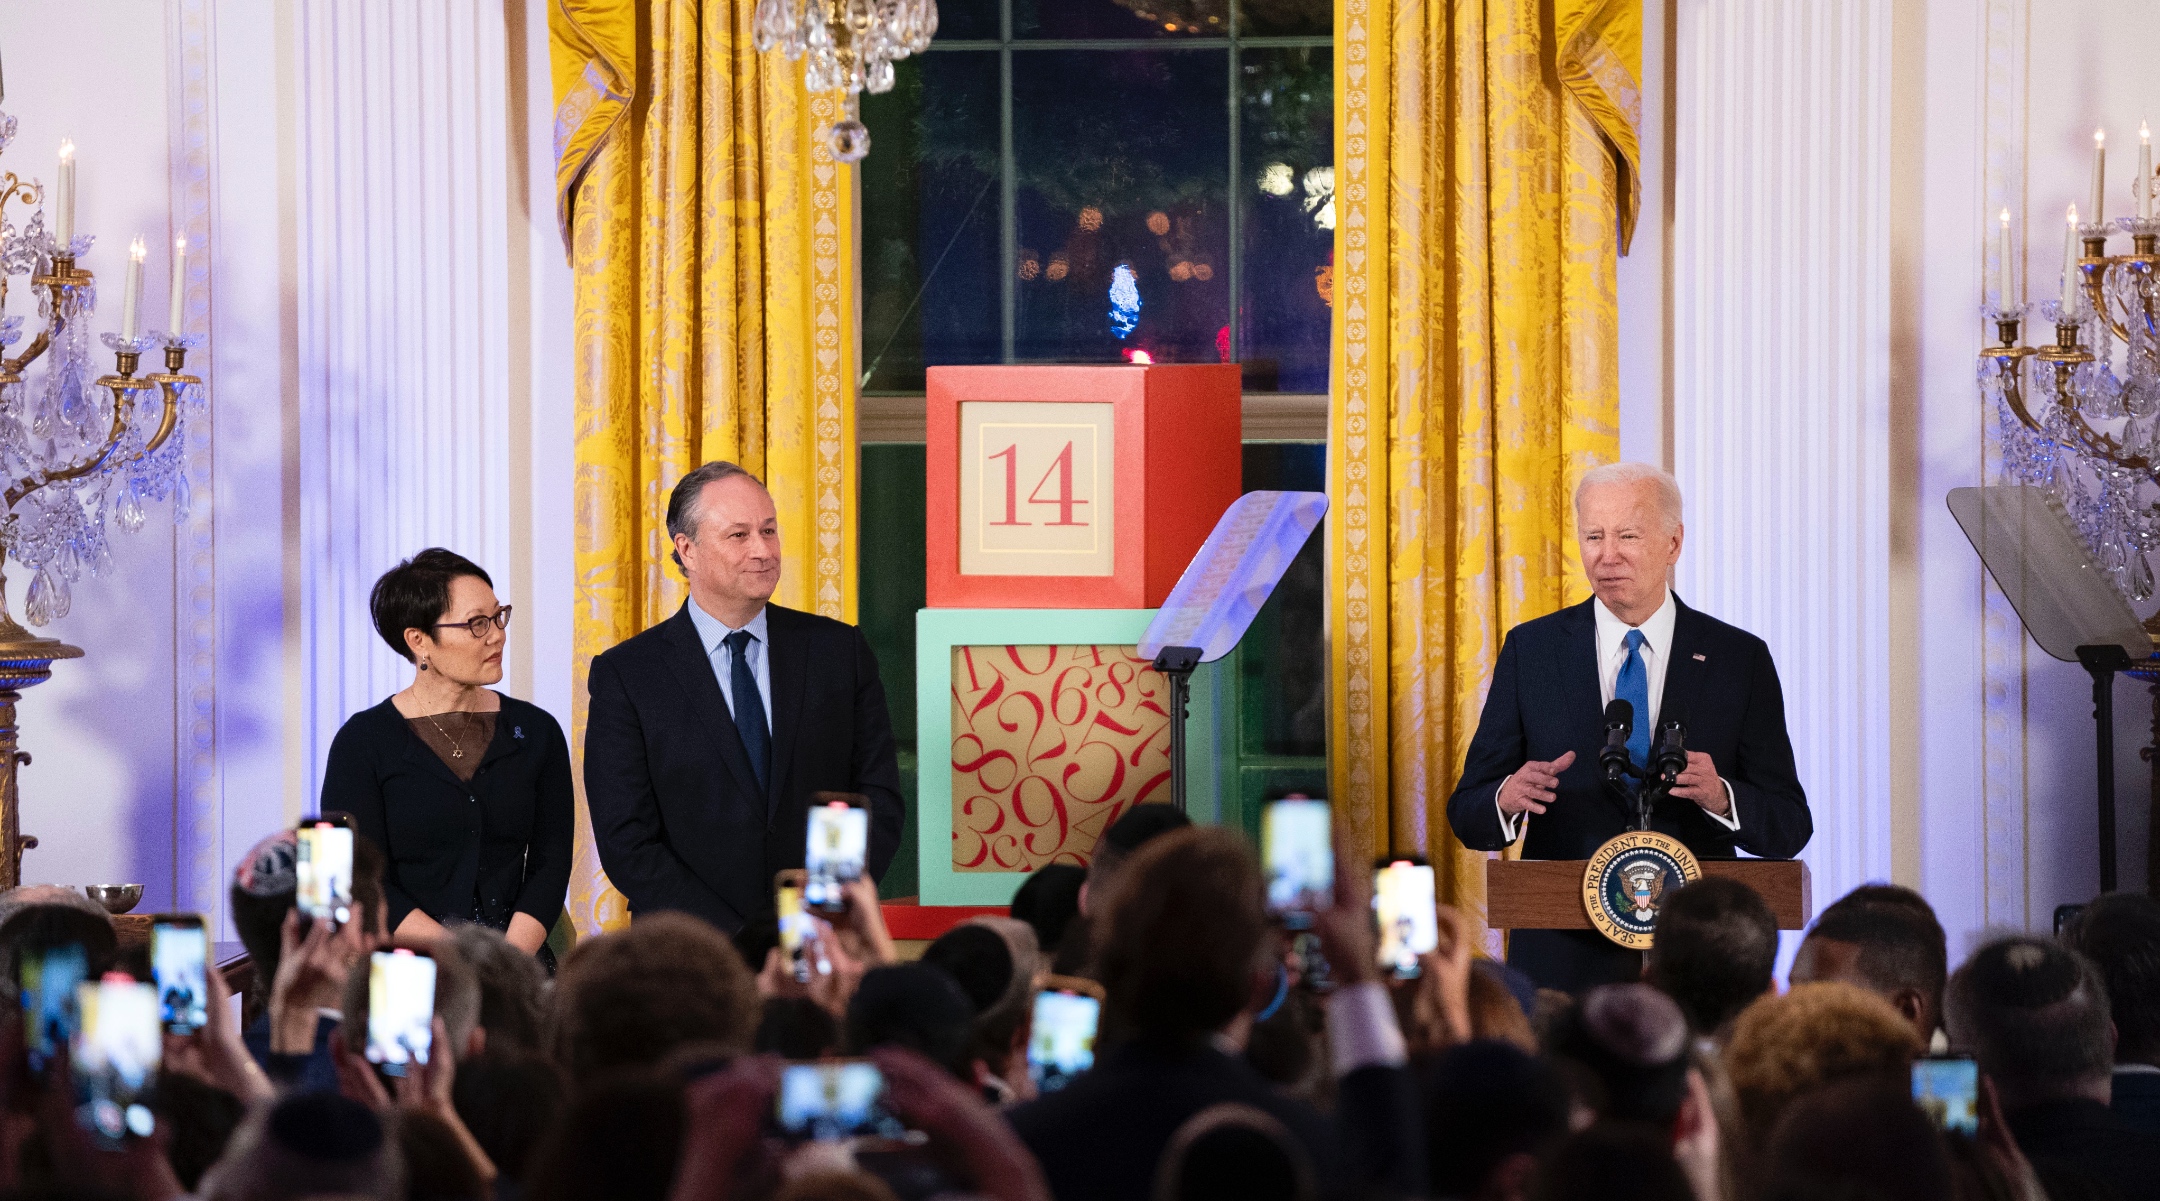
(676, 811)
(1545, 701)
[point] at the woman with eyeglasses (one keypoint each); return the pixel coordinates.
(467, 791)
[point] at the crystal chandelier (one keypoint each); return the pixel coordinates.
(2080, 417)
(79, 452)
(850, 46)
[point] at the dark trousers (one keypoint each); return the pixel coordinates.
(1573, 961)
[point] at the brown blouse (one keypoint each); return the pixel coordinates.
(459, 739)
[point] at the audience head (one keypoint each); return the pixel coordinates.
(915, 1006)
(633, 997)
(618, 1140)
(1887, 940)
(512, 984)
(1630, 1044)
(1048, 901)
(1715, 952)
(996, 962)
(1182, 939)
(1490, 1111)
(1613, 1161)
(2120, 935)
(796, 1028)
(198, 1119)
(436, 1165)
(263, 889)
(309, 1145)
(39, 926)
(2035, 1016)
(1784, 1046)
(1863, 1138)
(1232, 1152)
(413, 603)
(457, 1003)
(1117, 845)
(510, 1099)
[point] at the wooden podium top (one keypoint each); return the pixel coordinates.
(1546, 894)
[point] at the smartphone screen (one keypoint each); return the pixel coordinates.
(116, 1052)
(1298, 853)
(1063, 1043)
(1403, 904)
(401, 1010)
(794, 931)
(1948, 1090)
(51, 1000)
(323, 867)
(179, 964)
(834, 1099)
(839, 843)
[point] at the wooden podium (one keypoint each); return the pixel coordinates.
(1546, 894)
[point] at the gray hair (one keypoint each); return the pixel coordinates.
(1668, 488)
(685, 506)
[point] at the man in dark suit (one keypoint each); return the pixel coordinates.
(708, 733)
(2120, 933)
(1534, 759)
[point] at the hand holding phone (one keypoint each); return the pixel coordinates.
(1948, 1090)
(1062, 1042)
(1297, 851)
(831, 1099)
(51, 1000)
(838, 849)
(323, 870)
(401, 1010)
(795, 931)
(179, 966)
(115, 1059)
(1404, 908)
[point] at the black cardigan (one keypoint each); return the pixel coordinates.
(479, 851)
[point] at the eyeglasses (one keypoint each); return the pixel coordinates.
(478, 626)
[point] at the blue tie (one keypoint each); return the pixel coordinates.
(750, 707)
(1633, 686)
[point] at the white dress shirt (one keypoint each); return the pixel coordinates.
(1657, 632)
(712, 635)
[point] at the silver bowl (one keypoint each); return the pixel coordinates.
(116, 898)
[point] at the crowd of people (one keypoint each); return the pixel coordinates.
(647, 1068)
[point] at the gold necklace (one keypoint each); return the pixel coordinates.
(456, 751)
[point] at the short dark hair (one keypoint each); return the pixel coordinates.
(1716, 950)
(916, 1006)
(1624, 1160)
(510, 1099)
(2120, 933)
(1859, 1137)
(2035, 1015)
(1181, 938)
(634, 997)
(683, 510)
(1486, 1101)
(1049, 900)
(414, 594)
(1901, 941)
(1140, 825)
(619, 1138)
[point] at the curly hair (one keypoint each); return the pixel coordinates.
(632, 998)
(1783, 1046)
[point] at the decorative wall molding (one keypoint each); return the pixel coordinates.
(403, 296)
(1781, 285)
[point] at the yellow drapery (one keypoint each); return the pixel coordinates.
(1484, 179)
(710, 233)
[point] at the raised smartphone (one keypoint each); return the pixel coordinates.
(1948, 1090)
(323, 870)
(401, 1010)
(834, 1099)
(1062, 1044)
(1297, 851)
(839, 845)
(1403, 905)
(180, 967)
(794, 930)
(116, 1053)
(51, 1001)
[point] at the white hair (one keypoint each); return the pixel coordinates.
(1668, 488)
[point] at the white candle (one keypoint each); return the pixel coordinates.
(2144, 172)
(136, 251)
(179, 285)
(64, 199)
(2099, 189)
(2004, 293)
(2070, 287)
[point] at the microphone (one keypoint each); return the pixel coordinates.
(1669, 758)
(1619, 725)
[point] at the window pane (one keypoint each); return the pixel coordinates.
(959, 20)
(1285, 18)
(1120, 18)
(1287, 143)
(930, 220)
(1123, 161)
(890, 541)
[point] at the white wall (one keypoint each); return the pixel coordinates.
(388, 368)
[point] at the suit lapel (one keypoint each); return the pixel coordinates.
(1684, 671)
(708, 709)
(784, 671)
(1579, 676)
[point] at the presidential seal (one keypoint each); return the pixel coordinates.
(1627, 879)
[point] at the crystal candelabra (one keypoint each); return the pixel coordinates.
(78, 451)
(2080, 416)
(849, 46)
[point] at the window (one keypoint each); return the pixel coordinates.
(1084, 181)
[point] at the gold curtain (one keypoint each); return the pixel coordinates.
(711, 236)
(1485, 159)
